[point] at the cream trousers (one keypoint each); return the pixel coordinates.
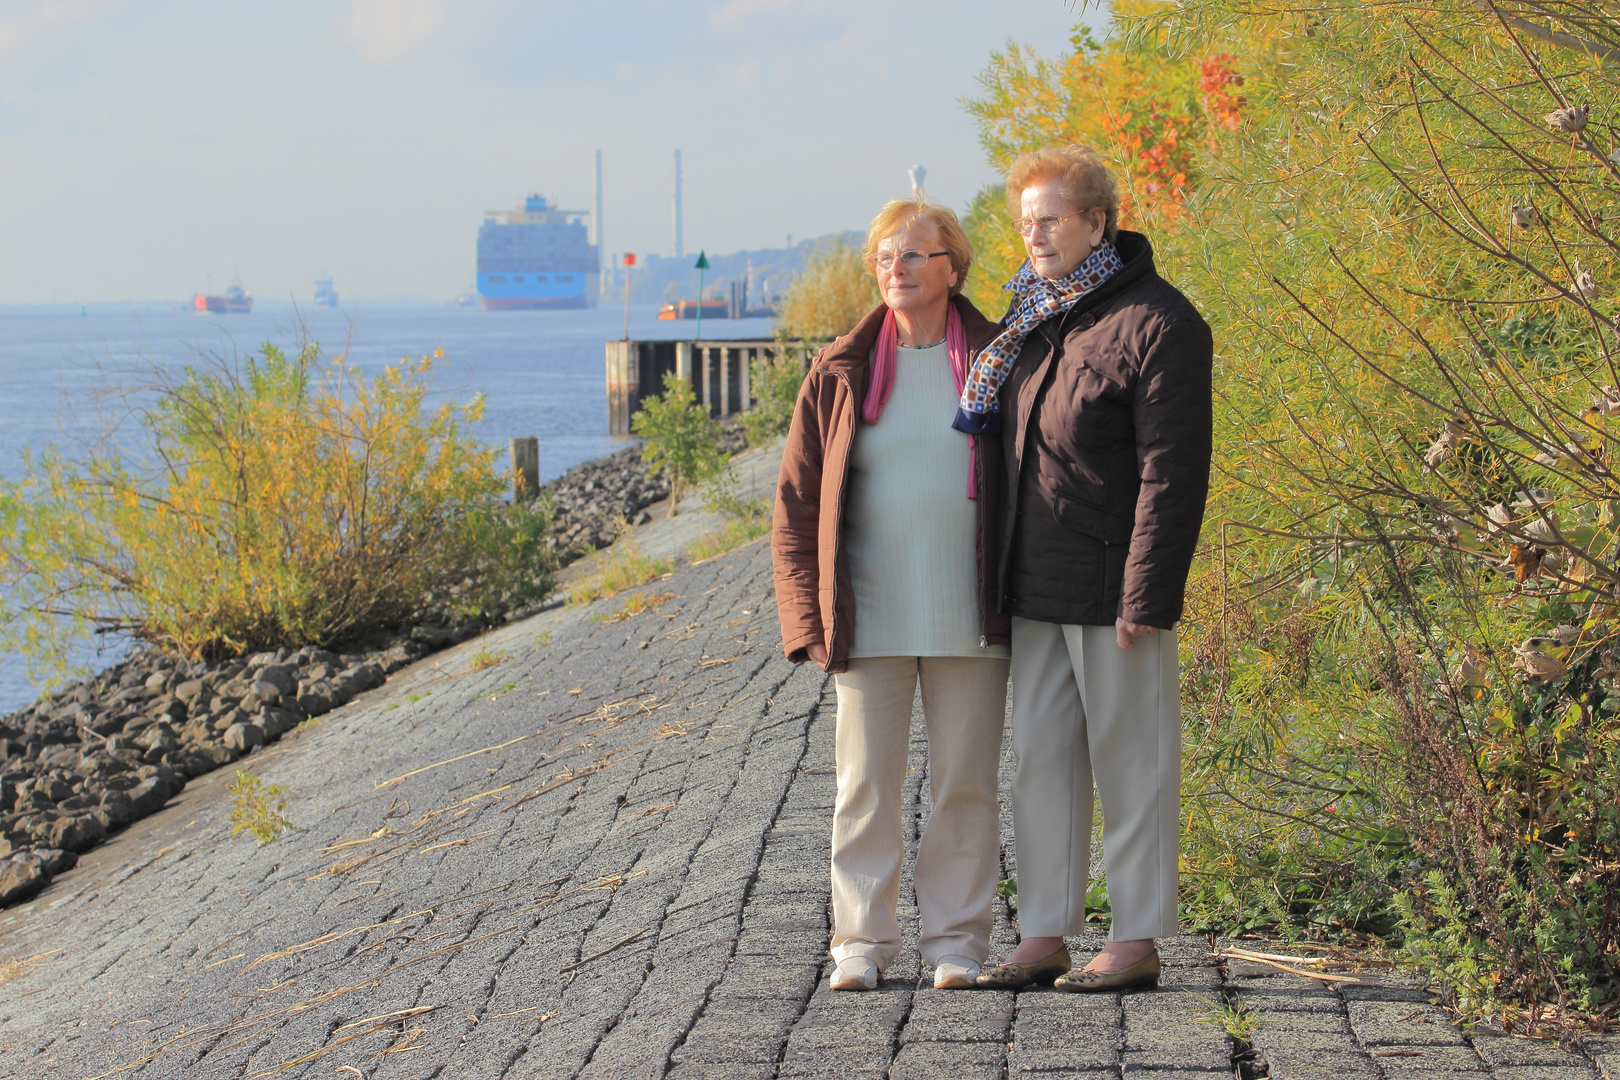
(1083, 708)
(958, 860)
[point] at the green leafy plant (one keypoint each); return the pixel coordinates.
(1238, 1020)
(257, 808)
(774, 380)
(682, 438)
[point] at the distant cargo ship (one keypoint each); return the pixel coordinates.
(234, 302)
(536, 256)
(325, 295)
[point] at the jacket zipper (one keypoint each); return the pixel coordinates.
(838, 519)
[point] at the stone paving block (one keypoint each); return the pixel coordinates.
(959, 1016)
(1427, 1060)
(1037, 1055)
(1035, 1070)
(1401, 1023)
(1504, 1050)
(1348, 1064)
(1267, 999)
(1605, 1053)
(711, 1071)
(1167, 1030)
(949, 1061)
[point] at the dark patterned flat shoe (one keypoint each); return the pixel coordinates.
(1142, 975)
(1013, 976)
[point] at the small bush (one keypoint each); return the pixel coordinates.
(681, 437)
(484, 659)
(831, 294)
(257, 808)
(774, 381)
(280, 501)
(625, 568)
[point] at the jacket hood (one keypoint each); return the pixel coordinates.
(852, 353)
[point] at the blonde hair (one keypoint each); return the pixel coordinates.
(897, 212)
(1081, 175)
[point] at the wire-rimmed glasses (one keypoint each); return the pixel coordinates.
(1026, 226)
(913, 260)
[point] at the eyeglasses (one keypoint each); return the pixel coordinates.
(914, 260)
(1025, 225)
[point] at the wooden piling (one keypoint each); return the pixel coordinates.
(525, 452)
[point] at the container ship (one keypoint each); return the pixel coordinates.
(234, 302)
(536, 256)
(325, 295)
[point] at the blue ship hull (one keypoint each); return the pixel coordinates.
(506, 292)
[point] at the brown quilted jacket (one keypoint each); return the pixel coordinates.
(1106, 440)
(814, 598)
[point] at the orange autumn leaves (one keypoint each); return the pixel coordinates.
(1151, 114)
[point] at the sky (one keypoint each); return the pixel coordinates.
(154, 148)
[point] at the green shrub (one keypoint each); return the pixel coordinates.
(774, 381)
(681, 438)
(280, 501)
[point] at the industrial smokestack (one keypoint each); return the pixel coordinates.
(601, 248)
(917, 173)
(680, 240)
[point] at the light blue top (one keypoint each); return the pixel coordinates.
(909, 525)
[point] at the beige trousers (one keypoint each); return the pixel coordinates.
(958, 859)
(1084, 708)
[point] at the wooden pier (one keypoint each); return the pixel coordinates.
(717, 371)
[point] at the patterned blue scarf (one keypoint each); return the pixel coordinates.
(1038, 300)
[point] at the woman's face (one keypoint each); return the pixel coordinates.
(914, 289)
(1062, 237)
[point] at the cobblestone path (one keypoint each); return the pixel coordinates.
(604, 855)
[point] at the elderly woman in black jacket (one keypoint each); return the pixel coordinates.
(1100, 387)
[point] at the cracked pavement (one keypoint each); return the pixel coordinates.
(602, 855)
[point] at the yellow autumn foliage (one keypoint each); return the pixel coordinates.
(831, 293)
(276, 501)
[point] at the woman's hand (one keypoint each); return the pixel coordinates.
(818, 653)
(1126, 632)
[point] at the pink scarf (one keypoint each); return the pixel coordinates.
(884, 358)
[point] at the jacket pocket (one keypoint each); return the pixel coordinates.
(1093, 520)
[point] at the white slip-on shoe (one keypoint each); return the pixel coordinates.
(855, 973)
(955, 973)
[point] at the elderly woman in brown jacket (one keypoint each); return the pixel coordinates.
(877, 541)
(1100, 389)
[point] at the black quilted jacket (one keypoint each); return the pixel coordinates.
(1106, 437)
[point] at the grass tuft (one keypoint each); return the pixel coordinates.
(484, 659)
(624, 568)
(732, 534)
(257, 808)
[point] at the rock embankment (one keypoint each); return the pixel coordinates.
(105, 752)
(590, 500)
(102, 753)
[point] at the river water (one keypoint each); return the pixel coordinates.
(541, 373)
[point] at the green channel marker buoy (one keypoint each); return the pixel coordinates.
(702, 265)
